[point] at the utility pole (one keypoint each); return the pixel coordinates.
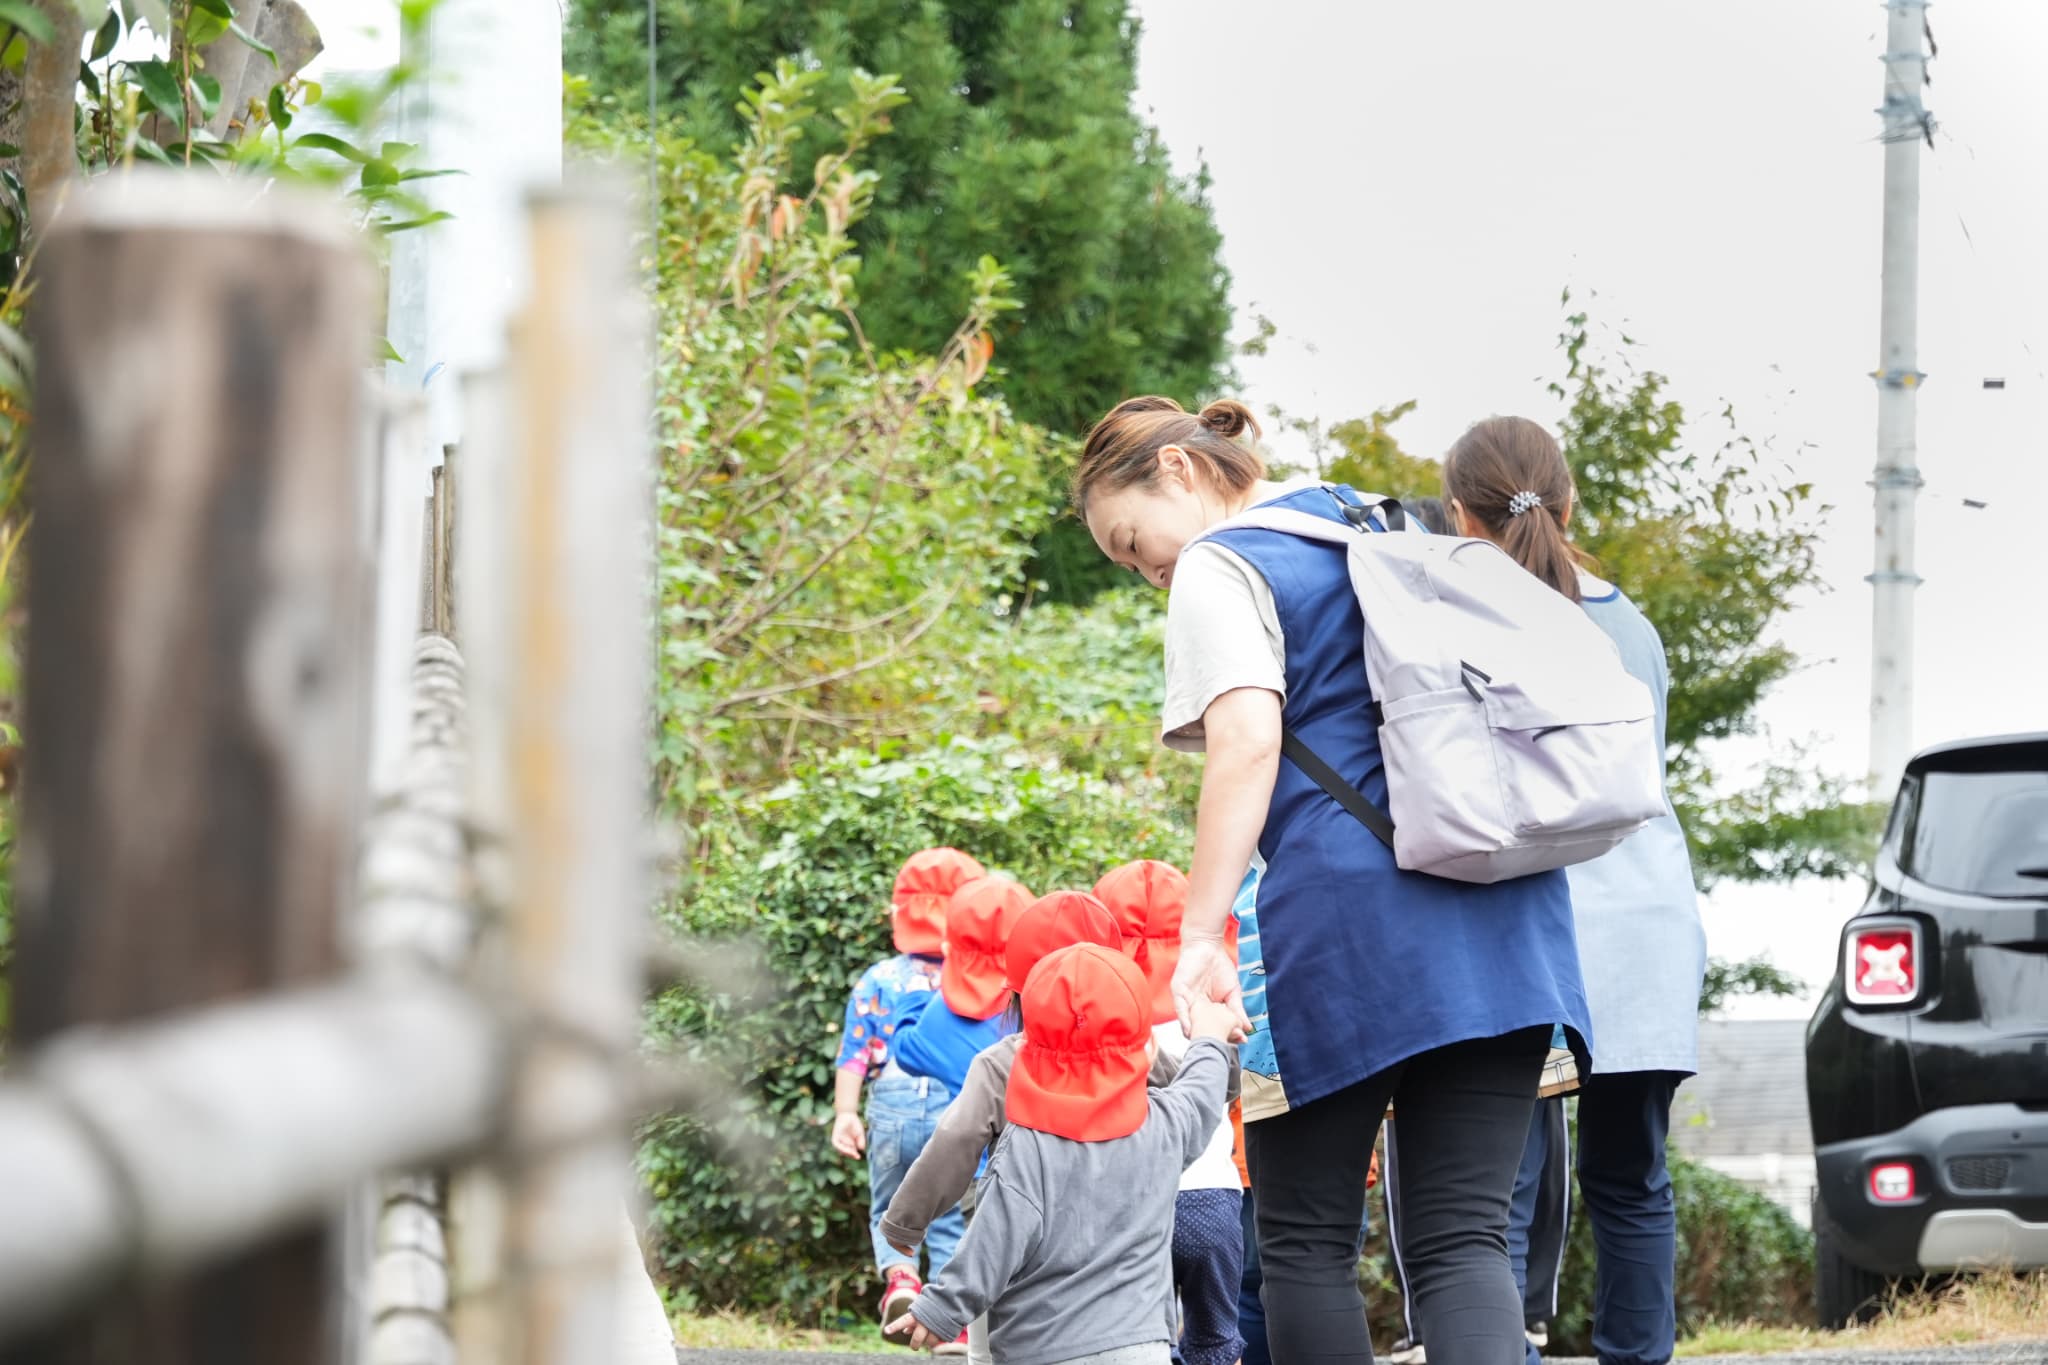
(1897, 478)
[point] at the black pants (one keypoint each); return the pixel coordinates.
(1464, 1113)
(1539, 1215)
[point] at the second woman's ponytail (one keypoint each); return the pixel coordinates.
(1508, 474)
(1535, 540)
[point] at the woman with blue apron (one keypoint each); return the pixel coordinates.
(1361, 984)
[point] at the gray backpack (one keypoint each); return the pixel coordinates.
(1514, 739)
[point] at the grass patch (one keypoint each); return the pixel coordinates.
(1974, 1309)
(1971, 1309)
(733, 1331)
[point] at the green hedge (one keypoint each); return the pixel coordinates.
(806, 871)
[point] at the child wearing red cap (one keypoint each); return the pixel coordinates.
(1068, 1254)
(943, 1174)
(1148, 898)
(974, 986)
(902, 1109)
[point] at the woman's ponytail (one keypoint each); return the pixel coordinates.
(1508, 474)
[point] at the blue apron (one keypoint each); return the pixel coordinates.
(1350, 964)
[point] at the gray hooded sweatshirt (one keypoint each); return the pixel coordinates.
(1069, 1252)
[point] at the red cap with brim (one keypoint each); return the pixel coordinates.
(1081, 1071)
(1149, 899)
(974, 980)
(925, 886)
(1057, 921)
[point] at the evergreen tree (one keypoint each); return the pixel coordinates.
(1019, 142)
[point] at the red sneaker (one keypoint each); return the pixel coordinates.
(953, 1348)
(901, 1291)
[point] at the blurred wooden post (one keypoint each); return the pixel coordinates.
(402, 486)
(193, 681)
(476, 1194)
(575, 710)
(445, 495)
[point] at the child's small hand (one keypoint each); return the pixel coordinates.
(849, 1138)
(921, 1338)
(1214, 1019)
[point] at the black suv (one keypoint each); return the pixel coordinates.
(1927, 1060)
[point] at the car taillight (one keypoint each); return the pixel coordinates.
(1881, 964)
(1892, 1183)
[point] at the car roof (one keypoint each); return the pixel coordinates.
(1930, 757)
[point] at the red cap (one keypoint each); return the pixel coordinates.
(917, 912)
(1148, 898)
(1058, 921)
(978, 926)
(1081, 1071)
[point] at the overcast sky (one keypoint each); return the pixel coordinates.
(1406, 188)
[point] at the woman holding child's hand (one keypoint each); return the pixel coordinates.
(1205, 975)
(1359, 983)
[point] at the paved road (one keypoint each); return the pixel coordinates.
(2012, 1353)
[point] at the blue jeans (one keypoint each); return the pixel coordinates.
(1624, 1119)
(902, 1112)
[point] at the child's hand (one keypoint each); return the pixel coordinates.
(1214, 1019)
(849, 1138)
(921, 1338)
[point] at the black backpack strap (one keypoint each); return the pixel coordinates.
(1342, 792)
(1359, 514)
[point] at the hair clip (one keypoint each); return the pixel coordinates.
(1522, 502)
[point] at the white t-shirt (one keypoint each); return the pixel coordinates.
(1222, 633)
(1213, 1169)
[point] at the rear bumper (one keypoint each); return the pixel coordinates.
(1983, 1238)
(1980, 1192)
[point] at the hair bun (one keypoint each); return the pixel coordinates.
(1228, 417)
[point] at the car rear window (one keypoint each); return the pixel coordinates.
(1984, 832)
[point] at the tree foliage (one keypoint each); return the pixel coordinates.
(1365, 453)
(1713, 544)
(834, 519)
(1018, 141)
(1726, 981)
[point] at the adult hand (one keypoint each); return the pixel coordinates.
(921, 1338)
(1207, 973)
(849, 1138)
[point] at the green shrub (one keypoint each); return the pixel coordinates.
(1741, 1258)
(836, 523)
(806, 871)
